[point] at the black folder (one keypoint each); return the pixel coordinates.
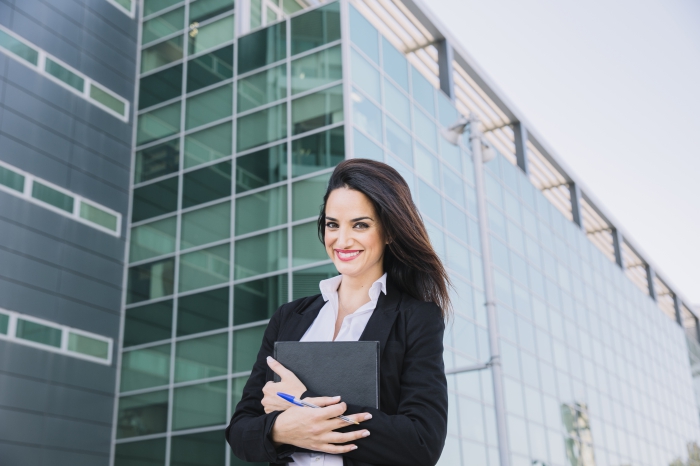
(330, 368)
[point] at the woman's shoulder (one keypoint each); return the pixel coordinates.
(414, 309)
(297, 305)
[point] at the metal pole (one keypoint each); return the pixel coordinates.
(496, 369)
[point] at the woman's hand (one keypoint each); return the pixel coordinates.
(313, 429)
(289, 384)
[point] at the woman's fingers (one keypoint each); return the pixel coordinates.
(345, 437)
(279, 369)
(336, 449)
(323, 400)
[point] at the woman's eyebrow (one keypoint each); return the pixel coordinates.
(352, 220)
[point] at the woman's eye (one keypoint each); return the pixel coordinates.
(331, 225)
(361, 226)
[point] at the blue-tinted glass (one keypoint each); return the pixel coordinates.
(315, 28)
(453, 186)
(427, 165)
(430, 202)
(365, 76)
(456, 221)
(366, 149)
(395, 64)
(262, 47)
(451, 154)
(364, 35)
(399, 141)
(423, 91)
(404, 172)
(437, 239)
(458, 258)
(397, 104)
(366, 116)
(425, 129)
(448, 114)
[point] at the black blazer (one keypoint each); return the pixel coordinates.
(411, 424)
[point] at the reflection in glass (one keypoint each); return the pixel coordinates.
(317, 69)
(148, 323)
(161, 54)
(315, 28)
(209, 36)
(427, 165)
(202, 312)
(150, 281)
(205, 267)
(262, 88)
(206, 225)
(261, 127)
(201, 358)
(153, 239)
(365, 76)
(261, 254)
(364, 35)
(366, 116)
(399, 141)
(203, 10)
(306, 248)
(423, 92)
(161, 86)
(448, 114)
(143, 368)
(316, 110)
(306, 281)
(262, 47)
(156, 161)
(261, 168)
(425, 129)
(365, 148)
(209, 144)
(143, 414)
(395, 64)
(246, 343)
(263, 209)
(146, 452)
(430, 202)
(209, 69)
(318, 151)
(203, 449)
(307, 196)
(258, 299)
(38, 333)
(206, 184)
(397, 104)
(199, 405)
(210, 106)
(163, 25)
(158, 123)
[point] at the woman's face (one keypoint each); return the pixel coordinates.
(354, 238)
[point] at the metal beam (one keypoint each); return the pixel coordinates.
(445, 58)
(651, 275)
(576, 213)
(617, 244)
(677, 307)
(520, 133)
(474, 367)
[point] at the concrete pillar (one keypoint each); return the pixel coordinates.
(576, 211)
(520, 133)
(617, 244)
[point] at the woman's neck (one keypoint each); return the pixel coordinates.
(354, 290)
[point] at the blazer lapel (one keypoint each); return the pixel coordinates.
(383, 317)
(300, 320)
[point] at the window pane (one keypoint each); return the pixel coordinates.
(456, 221)
(39, 333)
(19, 48)
(262, 88)
(262, 127)
(255, 14)
(88, 346)
(64, 74)
(365, 148)
(364, 35)
(150, 281)
(366, 116)
(423, 91)
(202, 10)
(157, 161)
(211, 106)
(261, 168)
(209, 69)
(145, 453)
(453, 186)
(158, 123)
(201, 358)
(209, 144)
(306, 281)
(153, 239)
(143, 368)
(258, 299)
(306, 248)
(163, 25)
(246, 344)
(199, 405)
(161, 54)
(142, 415)
(211, 35)
(365, 76)
(427, 165)
(4, 323)
(145, 324)
(429, 202)
(205, 267)
(52, 196)
(307, 196)
(261, 254)
(107, 99)
(154, 199)
(451, 154)
(11, 179)
(425, 129)
(317, 110)
(315, 28)
(317, 69)
(98, 216)
(448, 113)
(318, 151)
(458, 258)
(202, 312)
(261, 210)
(405, 173)
(205, 449)
(161, 86)
(262, 47)
(152, 6)
(206, 225)
(395, 64)
(399, 141)
(206, 184)
(397, 104)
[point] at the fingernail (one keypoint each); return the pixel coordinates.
(354, 447)
(368, 417)
(269, 358)
(336, 397)
(365, 433)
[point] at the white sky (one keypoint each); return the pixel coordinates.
(614, 88)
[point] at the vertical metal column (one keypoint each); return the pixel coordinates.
(520, 133)
(494, 346)
(445, 57)
(651, 275)
(576, 212)
(677, 308)
(617, 244)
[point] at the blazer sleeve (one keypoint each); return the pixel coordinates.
(415, 435)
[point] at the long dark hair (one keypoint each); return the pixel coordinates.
(409, 259)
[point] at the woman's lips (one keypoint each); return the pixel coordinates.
(347, 254)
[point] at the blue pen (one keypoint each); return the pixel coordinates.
(294, 401)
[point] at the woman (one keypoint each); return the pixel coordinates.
(392, 288)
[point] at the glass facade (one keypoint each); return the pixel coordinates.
(237, 134)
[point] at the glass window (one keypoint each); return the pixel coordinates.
(395, 64)
(306, 248)
(88, 346)
(158, 123)
(425, 129)
(317, 69)
(458, 258)
(366, 116)
(262, 88)
(318, 151)
(142, 415)
(98, 216)
(150, 281)
(154, 199)
(397, 104)
(264, 209)
(246, 344)
(262, 47)
(201, 358)
(315, 28)
(38, 333)
(144, 368)
(153, 239)
(427, 165)
(206, 225)
(11, 179)
(261, 168)
(456, 222)
(429, 202)
(423, 91)
(146, 452)
(261, 127)
(211, 35)
(451, 154)
(209, 144)
(399, 141)
(19, 48)
(161, 54)
(210, 106)
(448, 114)
(259, 299)
(107, 99)
(202, 312)
(405, 173)
(203, 449)
(206, 184)
(156, 161)
(317, 110)
(205, 267)
(255, 13)
(199, 405)
(306, 281)
(52, 196)
(209, 69)
(163, 25)
(363, 147)
(364, 35)
(261, 254)
(437, 238)
(64, 74)
(153, 6)
(202, 10)
(453, 186)
(4, 323)
(148, 323)
(365, 76)
(161, 86)
(307, 196)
